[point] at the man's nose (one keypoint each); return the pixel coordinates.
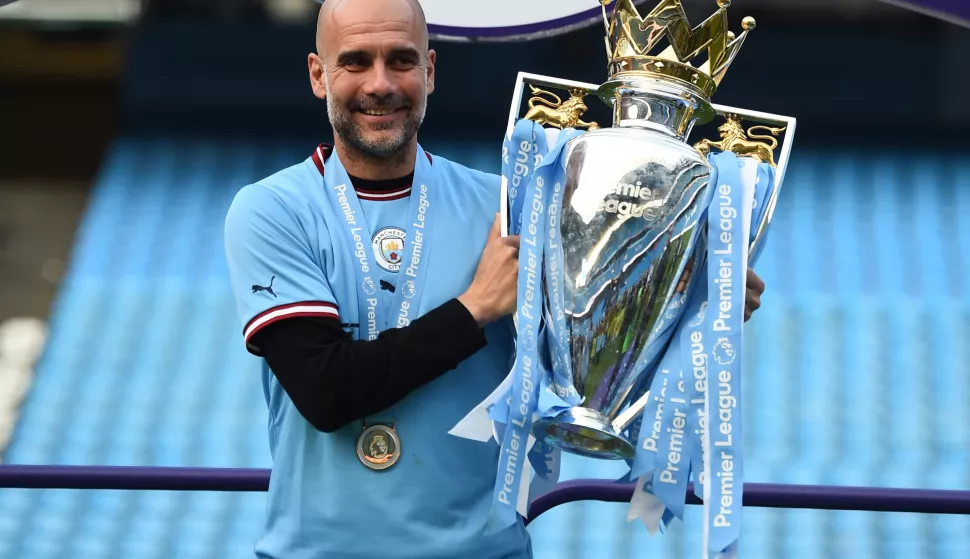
(379, 81)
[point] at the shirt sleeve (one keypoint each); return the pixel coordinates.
(274, 271)
(334, 380)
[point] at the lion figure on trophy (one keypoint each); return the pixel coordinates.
(735, 139)
(556, 112)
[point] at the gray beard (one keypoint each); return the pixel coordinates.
(384, 148)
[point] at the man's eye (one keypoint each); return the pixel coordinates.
(355, 64)
(403, 63)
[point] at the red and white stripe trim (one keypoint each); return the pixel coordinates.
(378, 196)
(320, 155)
(269, 316)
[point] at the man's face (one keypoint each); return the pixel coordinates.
(377, 74)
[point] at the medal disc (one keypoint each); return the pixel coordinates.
(378, 447)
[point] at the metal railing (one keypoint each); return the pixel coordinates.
(824, 497)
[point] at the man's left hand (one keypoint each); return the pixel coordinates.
(752, 295)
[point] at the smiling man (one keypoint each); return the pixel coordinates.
(363, 275)
(372, 281)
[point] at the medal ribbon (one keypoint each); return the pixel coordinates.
(374, 312)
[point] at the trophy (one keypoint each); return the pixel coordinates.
(628, 217)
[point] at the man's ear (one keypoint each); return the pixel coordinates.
(317, 78)
(431, 59)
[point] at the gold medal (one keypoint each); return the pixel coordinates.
(378, 447)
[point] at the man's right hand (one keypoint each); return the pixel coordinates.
(492, 293)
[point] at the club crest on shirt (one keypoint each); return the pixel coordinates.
(388, 246)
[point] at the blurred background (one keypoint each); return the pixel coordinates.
(126, 126)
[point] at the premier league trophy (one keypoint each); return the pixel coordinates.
(635, 240)
(630, 203)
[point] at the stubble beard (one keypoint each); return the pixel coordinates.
(383, 147)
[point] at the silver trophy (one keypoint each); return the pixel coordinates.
(630, 206)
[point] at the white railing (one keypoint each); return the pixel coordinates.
(21, 345)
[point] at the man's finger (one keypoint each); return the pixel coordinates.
(496, 230)
(754, 282)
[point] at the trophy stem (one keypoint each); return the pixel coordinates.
(584, 432)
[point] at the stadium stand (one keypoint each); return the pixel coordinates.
(145, 365)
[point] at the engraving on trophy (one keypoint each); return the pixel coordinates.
(558, 113)
(745, 144)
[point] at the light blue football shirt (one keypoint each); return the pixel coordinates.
(323, 503)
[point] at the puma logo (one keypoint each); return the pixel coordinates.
(387, 286)
(268, 289)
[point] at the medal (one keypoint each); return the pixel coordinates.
(378, 447)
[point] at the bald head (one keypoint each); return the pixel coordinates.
(375, 70)
(351, 15)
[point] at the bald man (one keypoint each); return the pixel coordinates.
(372, 281)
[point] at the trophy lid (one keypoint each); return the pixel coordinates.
(630, 38)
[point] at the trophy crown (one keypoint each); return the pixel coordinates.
(631, 38)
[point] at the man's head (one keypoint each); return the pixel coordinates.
(375, 70)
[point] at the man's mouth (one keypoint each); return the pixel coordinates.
(378, 112)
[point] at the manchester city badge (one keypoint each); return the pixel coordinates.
(378, 447)
(388, 244)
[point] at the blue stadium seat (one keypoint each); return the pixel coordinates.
(855, 367)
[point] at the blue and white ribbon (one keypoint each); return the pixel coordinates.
(691, 425)
(527, 370)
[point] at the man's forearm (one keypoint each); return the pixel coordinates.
(334, 380)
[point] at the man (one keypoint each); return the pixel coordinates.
(373, 235)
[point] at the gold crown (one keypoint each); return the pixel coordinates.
(630, 38)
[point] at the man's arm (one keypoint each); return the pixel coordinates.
(332, 379)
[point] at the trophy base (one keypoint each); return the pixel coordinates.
(584, 432)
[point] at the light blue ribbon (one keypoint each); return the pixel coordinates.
(694, 358)
(697, 390)
(376, 311)
(527, 372)
(724, 318)
(521, 154)
(672, 467)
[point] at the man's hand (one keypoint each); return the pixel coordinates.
(493, 290)
(752, 295)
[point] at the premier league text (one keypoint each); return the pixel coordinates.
(562, 389)
(520, 170)
(417, 247)
(726, 402)
(359, 253)
(527, 312)
(650, 443)
(630, 208)
(676, 444)
(698, 361)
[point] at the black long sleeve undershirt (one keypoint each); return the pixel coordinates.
(334, 380)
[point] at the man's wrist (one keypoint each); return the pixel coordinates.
(478, 311)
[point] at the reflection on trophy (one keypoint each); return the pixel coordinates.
(631, 203)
